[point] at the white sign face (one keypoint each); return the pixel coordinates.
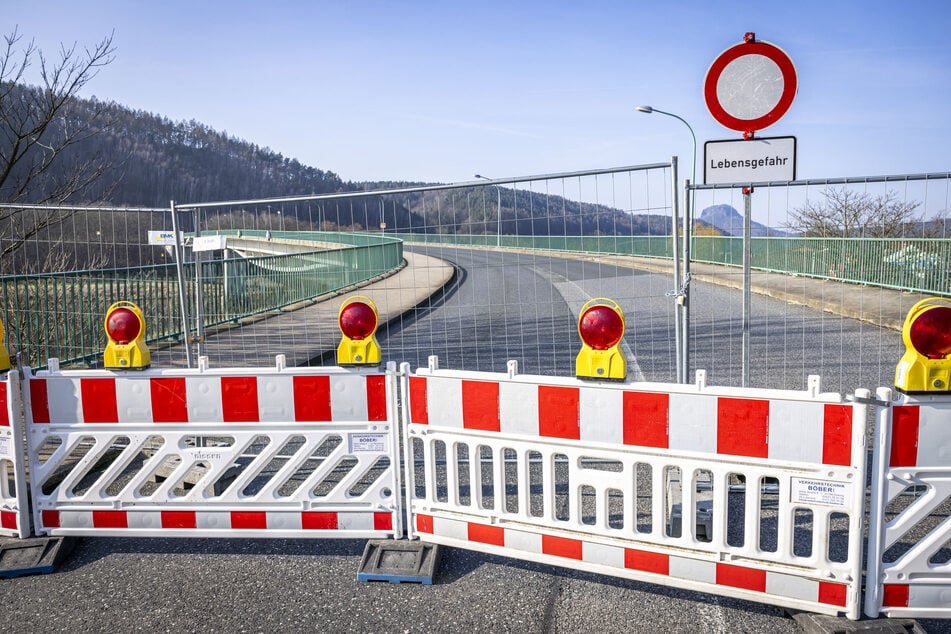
(5, 446)
(163, 238)
(209, 243)
(825, 492)
(752, 161)
(360, 443)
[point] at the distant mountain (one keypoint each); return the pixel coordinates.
(730, 222)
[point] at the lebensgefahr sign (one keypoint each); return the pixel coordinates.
(749, 160)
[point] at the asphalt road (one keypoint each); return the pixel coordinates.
(504, 306)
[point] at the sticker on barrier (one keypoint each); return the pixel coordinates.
(14, 508)
(296, 452)
(909, 545)
(748, 493)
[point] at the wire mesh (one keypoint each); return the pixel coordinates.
(836, 264)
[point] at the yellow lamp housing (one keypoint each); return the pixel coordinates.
(926, 364)
(4, 354)
(358, 320)
(125, 331)
(601, 327)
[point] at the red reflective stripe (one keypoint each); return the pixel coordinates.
(239, 399)
(559, 412)
(99, 400)
(178, 519)
(895, 595)
(562, 547)
(837, 435)
(741, 577)
(318, 521)
(110, 519)
(376, 398)
(8, 520)
(905, 420)
(312, 399)
(646, 418)
(169, 401)
(492, 535)
(646, 561)
(833, 593)
(382, 521)
(50, 519)
(742, 427)
(480, 405)
(39, 403)
(4, 403)
(418, 408)
(424, 523)
(248, 520)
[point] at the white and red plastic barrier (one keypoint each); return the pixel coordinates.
(547, 434)
(14, 506)
(305, 452)
(909, 544)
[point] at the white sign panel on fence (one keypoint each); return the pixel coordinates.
(750, 161)
(209, 243)
(162, 238)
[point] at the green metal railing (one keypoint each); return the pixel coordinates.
(645, 246)
(908, 264)
(61, 314)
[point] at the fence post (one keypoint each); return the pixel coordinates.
(180, 274)
(675, 255)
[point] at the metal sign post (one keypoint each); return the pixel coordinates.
(747, 281)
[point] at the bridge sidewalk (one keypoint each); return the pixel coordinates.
(880, 306)
(308, 330)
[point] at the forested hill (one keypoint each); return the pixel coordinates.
(142, 159)
(152, 160)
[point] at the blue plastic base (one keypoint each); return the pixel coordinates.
(399, 562)
(33, 556)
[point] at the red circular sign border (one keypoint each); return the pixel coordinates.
(774, 53)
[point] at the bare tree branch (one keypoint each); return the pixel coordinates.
(846, 213)
(37, 132)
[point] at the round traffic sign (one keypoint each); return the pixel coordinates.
(750, 86)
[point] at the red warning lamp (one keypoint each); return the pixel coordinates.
(125, 330)
(123, 326)
(926, 364)
(601, 327)
(931, 333)
(358, 320)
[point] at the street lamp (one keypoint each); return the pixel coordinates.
(498, 191)
(683, 304)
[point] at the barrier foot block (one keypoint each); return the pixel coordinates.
(823, 624)
(399, 561)
(33, 556)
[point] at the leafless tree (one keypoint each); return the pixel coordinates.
(845, 213)
(37, 130)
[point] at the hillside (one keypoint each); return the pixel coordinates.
(148, 160)
(730, 222)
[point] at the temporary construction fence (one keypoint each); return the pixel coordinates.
(740, 492)
(248, 453)
(909, 544)
(14, 508)
(576, 474)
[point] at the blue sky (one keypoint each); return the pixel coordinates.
(429, 91)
